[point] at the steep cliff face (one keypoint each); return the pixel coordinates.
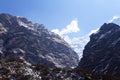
(20, 38)
(102, 53)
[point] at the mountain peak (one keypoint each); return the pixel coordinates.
(101, 54)
(108, 26)
(34, 43)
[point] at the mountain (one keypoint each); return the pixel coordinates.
(17, 69)
(102, 53)
(78, 44)
(29, 51)
(115, 20)
(32, 42)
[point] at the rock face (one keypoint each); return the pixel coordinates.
(20, 38)
(102, 53)
(17, 69)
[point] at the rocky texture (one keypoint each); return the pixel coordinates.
(17, 69)
(20, 38)
(102, 53)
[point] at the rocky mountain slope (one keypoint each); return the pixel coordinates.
(102, 53)
(31, 52)
(17, 69)
(21, 39)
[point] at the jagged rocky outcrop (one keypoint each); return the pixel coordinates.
(17, 69)
(102, 53)
(20, 38)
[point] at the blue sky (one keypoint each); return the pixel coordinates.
(90, 14)
(74, 20)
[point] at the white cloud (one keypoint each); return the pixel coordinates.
(67, 39)
(77, 43)
(56, 31)
(93, 31)
(113, 18)
(70, 28)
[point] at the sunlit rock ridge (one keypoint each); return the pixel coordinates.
(20, 38)
(102, 53)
